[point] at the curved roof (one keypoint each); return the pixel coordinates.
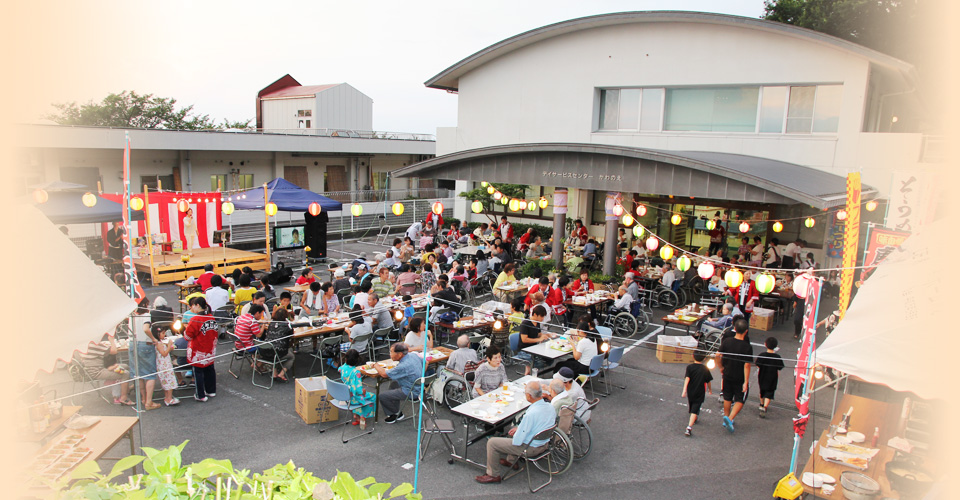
(701, 174)
(448, 79)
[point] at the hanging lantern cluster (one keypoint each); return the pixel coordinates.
(520, 204)
(397, 209)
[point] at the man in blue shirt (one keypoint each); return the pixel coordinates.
(406, 372)
(725, 321)
(590, 250)
(539, 417)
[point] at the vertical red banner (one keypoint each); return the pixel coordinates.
(807, 345)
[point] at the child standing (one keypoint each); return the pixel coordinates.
(696, 382)
(165, 369)
(408, 310)
(768, 364)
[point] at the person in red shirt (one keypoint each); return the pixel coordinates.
(204, 279)
(306, 277)
(558, 296)
(526, 239)
(583, 285)
(505, 230)
(579, 231)
(249, 326)
(201, 335)
(746, 295)
(453, 232)
(543, 286)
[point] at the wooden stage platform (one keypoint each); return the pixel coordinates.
(224, 262)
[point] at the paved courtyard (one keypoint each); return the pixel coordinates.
(639, 447)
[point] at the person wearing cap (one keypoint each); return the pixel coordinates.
(364, 275)
(340, 281)
(573, 389)
(403, 376)
(557, 395)
(539, 417)
(360, 261)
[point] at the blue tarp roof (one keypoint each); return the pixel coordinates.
(288, 196)
(66, 207)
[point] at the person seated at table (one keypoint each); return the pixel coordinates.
(258, 298)
(427, 277)
(428, 250)
(391, 261)
(483, 265)
(284, 304)
(583, 285)
(100, 362)
(446, 250)
(279, 334)
(378, 313)
(576, 393)
(623, 302)
(535, 251)
(579, 232)
(361, 297)
(244, 292)
(432, 260)
(490, 374)
(589, 252)
(403, 375)
(531, 335)
(364, 275)
(217, 296)
(453, 232)
(408, 310)
(715, 284)
(406, 280)
(539, 299)
(417, 335)
(558, 396)
(313, 302)
(539, 417)
(457, 361)
(355, 265)
(557, 296)
(517, 306)
(723, 322)
(383, 284)
(204, 279)
(505, 278)
(482, 234)
(340, 280)
(459, 273)
(542, 286)
(351, 377)
(426, 239)
(443, 294)
(586, 345)
(360, 324)
(525, 239)
(406, 249)
(248, 326)
(306, 277)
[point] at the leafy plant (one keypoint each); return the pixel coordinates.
(165, 477)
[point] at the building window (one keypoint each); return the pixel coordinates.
(650, 110)
(244, 181)
(304, 112)
(724, 109)
(772, 106)
(156, 181)
(218, 180)
(814, 109)
(609, 109)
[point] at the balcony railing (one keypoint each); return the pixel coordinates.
(355, 134)
(376, 195)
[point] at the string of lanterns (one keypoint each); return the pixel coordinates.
(514, 204)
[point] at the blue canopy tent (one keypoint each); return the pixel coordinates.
(288, 196)
(291, 198)
(66, 207)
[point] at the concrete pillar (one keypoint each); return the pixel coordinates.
(559, 224)
(612, 221)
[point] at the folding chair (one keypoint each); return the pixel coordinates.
(382, 333)
(80, 375)
(272, 360)
(514, 341)
(596, 366)
(613, 362)
(368, 338)
(535, 458)
(238, 354)
(340, 397)
(331, 342)
(414, 396)
(433, 425)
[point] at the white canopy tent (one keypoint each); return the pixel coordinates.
(83, 303)
(899, 330)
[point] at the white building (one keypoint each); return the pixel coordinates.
(688, 112)
(286, 105)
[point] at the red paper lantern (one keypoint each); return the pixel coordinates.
(641, 210)
(438, 208)
(183, 205)
(314, 209)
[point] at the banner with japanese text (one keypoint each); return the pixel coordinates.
(851, 239)
(881, 242)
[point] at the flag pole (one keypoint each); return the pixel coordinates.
(810, 331)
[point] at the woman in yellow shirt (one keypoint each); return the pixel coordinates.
(506, 277)
(244, 292)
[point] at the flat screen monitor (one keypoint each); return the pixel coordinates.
(288, 237)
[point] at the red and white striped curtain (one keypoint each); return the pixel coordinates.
(166, 218)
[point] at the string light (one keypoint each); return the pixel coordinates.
(514, 205)
(543, 202)
(271, 209)
(652, 243)
(497, 324)
(841, 215)
(871, 205)
(356, 210)
(504, 200)
(484, 184)
(618, 210)
(523, 205)
(675, 219)
(497, 195)
(744, 227)
(490, 190)
(711, 364)
(683, 263)
(604, 347)
(711, 225)
(638, 231)
(666, 253)
(809, 222)
(627, 220)
(183, 205)
(136, 203)
(227, 208)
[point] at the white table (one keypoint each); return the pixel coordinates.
(470, 250)
(546, 351)
(486, 409)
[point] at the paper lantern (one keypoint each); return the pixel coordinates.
(40, 196)
(271, 209)
(314, 209)
(809, 222)
(733, 278)
(183, 205)
(638, 231)
(801, 285)
(652, 243)
(766, 282)
(490, 189)
(618, 210)
(523, 204)
(89, 199)
(744, 227)
(777, 227)
(514, 205)
(705, 270)
(841, 215)
(504, 200)
(227, 208)
(484, 184)
(476, 206)
(675, 219)
(641, 210)
(397, 209)
(307, 249)
(711, 225)
(532, 206)
(683, 263)
(871, 205)
(136, 203)
(627, 220)
(497, 195)
(666, 253)
(356, 210)
(544, 203)
(437, 208)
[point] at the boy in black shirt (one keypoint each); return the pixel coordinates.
(530, 335)
(695, 383)
(736, 358)
(768, 366)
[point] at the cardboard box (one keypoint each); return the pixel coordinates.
(671, 349)
(761, 319)
(312, 401)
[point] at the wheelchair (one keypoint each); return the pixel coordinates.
(626, 324)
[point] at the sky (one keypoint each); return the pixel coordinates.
(217, 55)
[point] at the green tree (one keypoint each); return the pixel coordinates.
(133, 110)
(493, 207)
